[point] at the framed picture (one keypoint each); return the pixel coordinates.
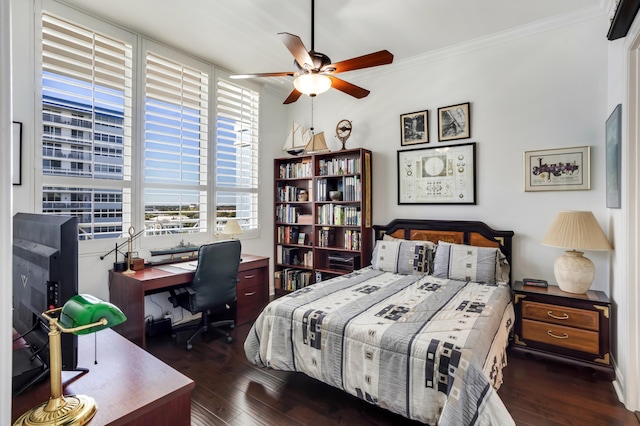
(562, 169)
(445, 175)
(17, 153)
(454, 122)
(301, 238)
(614, 161)
(414, 128)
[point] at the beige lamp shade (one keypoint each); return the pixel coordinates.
(575, 230)
(232, 227)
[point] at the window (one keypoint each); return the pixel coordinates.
(178, 177)
(175, 147)
(236, 158)
(86, 104)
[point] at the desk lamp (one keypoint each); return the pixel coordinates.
(82, 314)
(232, 228)
(575, 230)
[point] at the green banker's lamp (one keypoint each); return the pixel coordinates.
(82, 314)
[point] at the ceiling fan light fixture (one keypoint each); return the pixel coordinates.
(312, 84)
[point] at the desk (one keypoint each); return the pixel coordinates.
(127, 292)
(130, 386)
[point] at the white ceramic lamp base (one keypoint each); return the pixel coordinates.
(574, 273)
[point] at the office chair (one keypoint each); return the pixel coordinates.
(213, 289)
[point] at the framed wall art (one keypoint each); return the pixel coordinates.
(614, 160)
(17, 153)
(454, 122)
(445, 175)
(562, 169)
(414, 128)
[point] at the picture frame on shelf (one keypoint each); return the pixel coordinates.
(454, 122)
(414, 128)
(614, 158)
(559, 169)
(439, 175)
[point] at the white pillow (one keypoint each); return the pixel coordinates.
(402, 256)
(470, 263)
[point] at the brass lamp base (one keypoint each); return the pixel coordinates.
(68, 410)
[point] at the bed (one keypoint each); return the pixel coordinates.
(422, 331)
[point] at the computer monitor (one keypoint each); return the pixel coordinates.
(45, 276)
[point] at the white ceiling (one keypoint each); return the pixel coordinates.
(240, 35)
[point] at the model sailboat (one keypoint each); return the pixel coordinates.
(298, 138)
(316, 144)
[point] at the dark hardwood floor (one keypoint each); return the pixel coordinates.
(231, 391)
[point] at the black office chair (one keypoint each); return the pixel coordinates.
(213, 289)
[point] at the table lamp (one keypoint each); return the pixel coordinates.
(232, 228)
(82, 314)
(575, 230)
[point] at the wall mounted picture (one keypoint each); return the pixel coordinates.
(454, 122)
(445, 175)
(17, 153)
(614, 161)
(562, 169)
(414, 128)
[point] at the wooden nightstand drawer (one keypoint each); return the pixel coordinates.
(568, 327)
(558, 335)
(562, 315)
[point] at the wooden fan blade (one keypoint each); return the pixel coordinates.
(293, 96)
(382, 57)
(297, 49)
(348, 88)
(265, 74)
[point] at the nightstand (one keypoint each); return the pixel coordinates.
(565, 327)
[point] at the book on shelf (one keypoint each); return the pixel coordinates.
(277, 280)
(294, 279)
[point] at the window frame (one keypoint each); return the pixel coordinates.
(136, 185)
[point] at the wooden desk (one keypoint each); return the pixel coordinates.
(127, 292)
(130, 386)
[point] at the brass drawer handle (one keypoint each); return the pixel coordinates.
(564, 335)
(563, 317)
(250, 294)
(248, 277)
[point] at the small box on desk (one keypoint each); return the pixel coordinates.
(137, 263)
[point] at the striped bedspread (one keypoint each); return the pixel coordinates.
(427, 348)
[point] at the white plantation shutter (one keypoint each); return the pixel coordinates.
(86, 135)
(236, 157)
(176, 143)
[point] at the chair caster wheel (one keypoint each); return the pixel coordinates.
(232, 326)
(229, 339)
(189, 347)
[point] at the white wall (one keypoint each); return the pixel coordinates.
(6, 189)
(539, 88)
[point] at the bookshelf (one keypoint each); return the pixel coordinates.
(322, 216)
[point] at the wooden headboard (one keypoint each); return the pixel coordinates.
(452, 231)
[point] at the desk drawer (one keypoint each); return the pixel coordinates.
(561, 315)
(250, 277)
(252, 293)
(561, 336)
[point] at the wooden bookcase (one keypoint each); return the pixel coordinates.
(317, 237)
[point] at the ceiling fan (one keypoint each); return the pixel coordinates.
(315, 73)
